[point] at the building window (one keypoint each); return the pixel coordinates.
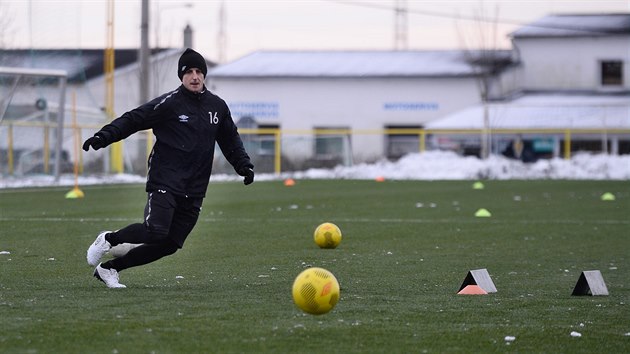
(400, 143)
(257, 138)
(267, 140)
(332, 145)
(612, 73)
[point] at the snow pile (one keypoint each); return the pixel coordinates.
(68, 180)
(434, 165)
(450, 166)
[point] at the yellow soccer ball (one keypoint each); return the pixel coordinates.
(327, 235)
(316, 291)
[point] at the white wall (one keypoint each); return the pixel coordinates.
(571, 63)
(356, 103)
(507, 83)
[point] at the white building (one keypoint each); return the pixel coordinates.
(369, 92)
(573, 74)
(573, 67)
(22, 134)
(362, 91)
(575, 52)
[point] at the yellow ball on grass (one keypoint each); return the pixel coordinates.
(327, 235)
(316, 291)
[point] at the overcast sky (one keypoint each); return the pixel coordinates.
(279, 24)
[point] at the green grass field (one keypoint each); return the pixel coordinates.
(407, 246)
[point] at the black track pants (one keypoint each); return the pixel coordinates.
(168, 220)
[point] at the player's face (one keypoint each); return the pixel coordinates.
(193, 80)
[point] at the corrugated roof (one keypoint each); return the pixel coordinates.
(566, 25)
(545, 111)
(80, 64)
(357, 64)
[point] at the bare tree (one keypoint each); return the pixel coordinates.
(482, 53)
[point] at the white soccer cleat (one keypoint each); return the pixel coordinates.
(98, 248)
(107, 276)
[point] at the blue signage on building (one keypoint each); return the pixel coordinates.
(411, 106)
(255, 109)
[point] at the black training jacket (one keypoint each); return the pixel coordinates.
(186, 126)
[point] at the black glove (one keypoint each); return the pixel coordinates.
(248, 173)
(96, 142)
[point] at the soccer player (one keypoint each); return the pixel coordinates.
(186, 122)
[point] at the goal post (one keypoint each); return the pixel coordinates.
(13, 75)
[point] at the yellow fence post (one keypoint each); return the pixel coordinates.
(116, 150)
(80, 134)
(422, 138)
(46, 151)
(149, 143)
(567, 144)
(277, 151)
(10, 149)
(116, 157)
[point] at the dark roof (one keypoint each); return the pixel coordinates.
(81, 64)
(577, 25)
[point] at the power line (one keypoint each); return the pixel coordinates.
(380, 6)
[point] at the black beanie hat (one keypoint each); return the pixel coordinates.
(191, 59)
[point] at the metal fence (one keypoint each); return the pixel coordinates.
(26, 148)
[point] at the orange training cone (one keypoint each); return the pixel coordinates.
(289, 182)
(472, 290)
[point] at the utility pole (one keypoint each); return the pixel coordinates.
(222, 35)
(145, 69)
(400, 25)
(144, 53)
